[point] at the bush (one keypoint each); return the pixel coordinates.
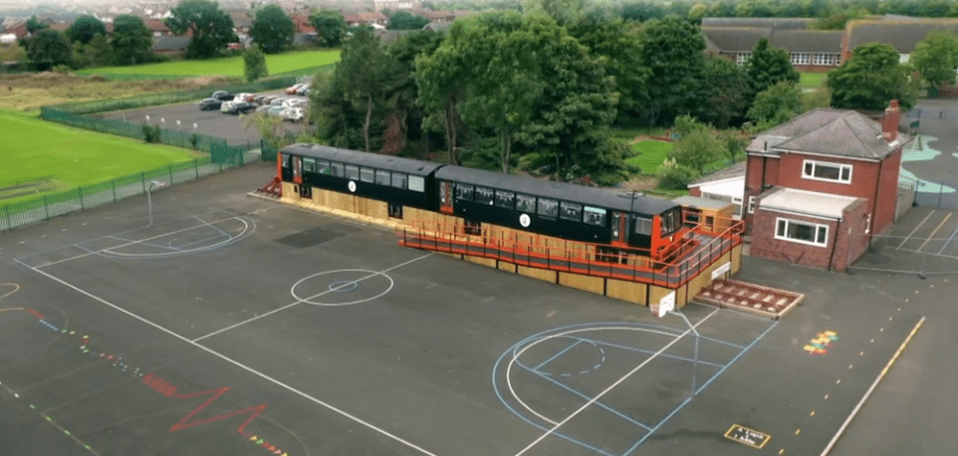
(195, 141)
(151, 133)
(62, 69)
(676, 177)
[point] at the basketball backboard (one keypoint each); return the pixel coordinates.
(664, 306)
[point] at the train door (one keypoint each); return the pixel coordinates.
(619, 224)
(297, 170)
(445, 197)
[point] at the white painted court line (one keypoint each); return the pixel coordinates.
(231, 361)
(626, 376)
(914, 230)
(94, 252)
(923, 244)
(300, 301)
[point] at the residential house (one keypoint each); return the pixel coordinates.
(17, 29)
(171, 45)
(726, 185)
(438, 26)
(440, 16)
(157, 27)
(818, 187)
(304, 33)
(396, 5)
(809, 50)
(241, 23)
(774, 23)
(367, 18)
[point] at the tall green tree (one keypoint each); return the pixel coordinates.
(871, 78)
(441, 80)
(34, 25)
(84, 28)
(330, 27)
(776, 105)
(728, 93)
(254, 63)
(365, 69)
(406, 114)
(272, 29)
(211, 27)
(49, 48)
(621, 54)
(97, 53)
(936, 57)
(672, 51)
(698, 149)
(132, 42)
(338, 121)
(566, 13)
(768, 66)
(404, 20)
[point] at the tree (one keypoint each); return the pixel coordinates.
(330, 27)
(49, 48)
(768, 66)
(406, 112)
(272, 29)
(365, 69)
(728, 93)
(270, 128)
(565, 12)
(13, 53)
(621, 52)
(776, 104)
(132, 42)
(871, 78)
(441, 80)
(404, 20)
(936, 57)
(84, 28)
(34, 25)
(97, 53)
(672, 51)
(698, 149)
(211, 27)
(254, 63)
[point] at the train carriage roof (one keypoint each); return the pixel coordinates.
(559, 190)
(353, 157)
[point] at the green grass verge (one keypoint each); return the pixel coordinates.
(811, 80)
(224, 66)
(649, 155)
(62, 157)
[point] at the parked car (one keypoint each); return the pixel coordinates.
(302, 90)
(209, 104)
(222, 95)
(275, 110)
(269, 99)
(294, 114)
(278, 101)
(242, 107)
(291, 102)
(292, 89)
(258, 99)
(263, 109)
(247, 97)
(227, 106)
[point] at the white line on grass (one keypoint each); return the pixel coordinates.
(626, 376)
(300, 301)
(233, 362)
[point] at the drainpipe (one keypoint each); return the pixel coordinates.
(831, 258)
(871, 231)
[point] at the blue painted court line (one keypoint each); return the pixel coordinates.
(948, 241)
(165, 247)
(587, 398)
(649, 352)
(570, 347)
(212, 226)
(230, 238)
(684, 403)
(718, 341)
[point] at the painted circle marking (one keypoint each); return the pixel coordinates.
(343, 286)
(332, 288)
(352, 186)
(525, 220)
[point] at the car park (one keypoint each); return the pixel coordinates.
(275, 110)
(210, 104)
(263, 109)
(278, 101)
(302, 90)
(222, 95)
(247, 97)
(227, 106)
(291, 90)
(293, 114)
(242, 107)
(268, 99)
(258, 99)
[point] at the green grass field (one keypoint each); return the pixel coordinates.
(53, 157)
(226, 66)
(649, 155)
(812, 80)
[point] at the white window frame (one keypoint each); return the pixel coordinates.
(737, 202)
(801, 58)
(751, 205)
(840, 166)
(816, 227)
(742, 57)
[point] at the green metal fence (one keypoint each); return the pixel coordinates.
(46, 207)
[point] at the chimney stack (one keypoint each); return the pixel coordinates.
(889, 123)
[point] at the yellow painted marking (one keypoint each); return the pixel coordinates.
(798, 431)
(890, 318)
(933, 233)
(849, 366)
(899, 309)
(826, 397)
(871, 341)
(752, 433)
(838, 381)
(915, 230)
(906, 299)
(916, 291)
(812, 414)
(782, 451)
(881, 329)
(861, 353)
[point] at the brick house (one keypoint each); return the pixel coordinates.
(820, 186)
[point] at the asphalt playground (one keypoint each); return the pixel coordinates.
(235, 325)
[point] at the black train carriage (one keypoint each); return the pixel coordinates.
(398, 181)
(562, 210)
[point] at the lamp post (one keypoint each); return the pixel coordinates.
(149, 198)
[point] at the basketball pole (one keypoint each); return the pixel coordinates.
(695, 359)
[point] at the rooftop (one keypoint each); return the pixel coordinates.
(804, 202)
(697, 203)
(732, 172)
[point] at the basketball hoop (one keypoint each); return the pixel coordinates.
(664, 306)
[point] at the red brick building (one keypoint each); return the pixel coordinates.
(820, 186)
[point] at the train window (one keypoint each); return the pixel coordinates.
(322, 167)
(352, 172)
(525, 203)
(309, 165)
(382, 177)
(548, 207)
(285, 161)
(595, 216)
(570, 211)
(669, 223)
(464, 192)
(417, 184)
(337, 169)
(484, 195)
(505, 199)
(366, 174)
(643, 226)
(399, 180)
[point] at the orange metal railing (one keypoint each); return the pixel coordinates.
(699, 248)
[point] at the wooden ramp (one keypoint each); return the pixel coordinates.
(756, 299)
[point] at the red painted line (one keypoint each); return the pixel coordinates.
(33, 312)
